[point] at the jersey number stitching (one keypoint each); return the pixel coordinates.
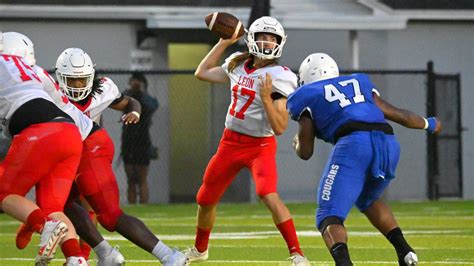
(23, 75)
(331, 93)
(244, 92)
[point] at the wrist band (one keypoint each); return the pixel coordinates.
(431, 124)
(426, 123)
(136, 113)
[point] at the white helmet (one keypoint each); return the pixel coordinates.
(266, 25)
(75, 63)
(15, 43)
(317, 67)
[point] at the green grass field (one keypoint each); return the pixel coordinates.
(442, 233)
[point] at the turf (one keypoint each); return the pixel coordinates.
(442, 233)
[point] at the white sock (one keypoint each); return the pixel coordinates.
(161, 250)
(102, 249)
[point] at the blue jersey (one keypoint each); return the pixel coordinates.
(335, 102)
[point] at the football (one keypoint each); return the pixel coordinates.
(224, 25)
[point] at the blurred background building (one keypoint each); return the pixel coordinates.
(392, 40)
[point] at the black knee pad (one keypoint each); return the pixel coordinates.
(329, 221)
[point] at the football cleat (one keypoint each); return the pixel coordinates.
(52, 234)
(411, 259)
(114, 258)
(299, 260)
(194, 255)
(175, 259)
(76, 261)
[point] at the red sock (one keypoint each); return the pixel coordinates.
(35, 221)
(85, 249)
(71, 248)
(288, 231)
(202, 239)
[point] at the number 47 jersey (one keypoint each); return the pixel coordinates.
(335, 102)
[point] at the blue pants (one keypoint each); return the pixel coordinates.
(360, 167)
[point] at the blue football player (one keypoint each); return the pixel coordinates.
(348, 112)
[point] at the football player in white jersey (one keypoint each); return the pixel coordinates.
(45, 153)
(259, 88)
(106, 254)
(96, 180)
(106, 204)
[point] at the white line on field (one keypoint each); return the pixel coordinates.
(268, 234)
(275, 261)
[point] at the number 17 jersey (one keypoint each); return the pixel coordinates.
(246, 114)
(335, 102)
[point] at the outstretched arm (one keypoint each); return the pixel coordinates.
(208, 69)
(131, 107)
(407, 118)
(303, 142)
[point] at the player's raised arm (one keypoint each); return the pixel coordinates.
(407, 118)
(131, 107)
(208, 69)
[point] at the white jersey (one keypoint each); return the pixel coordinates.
(100, 101)
(246, 114)
(18, 85)
(83, 123)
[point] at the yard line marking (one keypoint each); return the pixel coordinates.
(322, 246)
(269, 234)
(411, 215)
(277, 261)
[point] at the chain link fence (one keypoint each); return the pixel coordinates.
(188, 125)
(189, 122)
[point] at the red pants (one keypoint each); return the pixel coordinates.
(96, 179)
(45, 155)
(235, 152)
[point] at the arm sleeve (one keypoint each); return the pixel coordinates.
(225, 66)
(285, 83)
(297, 104)
(119, 99)
(365, 79)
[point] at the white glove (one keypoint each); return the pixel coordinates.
(296, 143)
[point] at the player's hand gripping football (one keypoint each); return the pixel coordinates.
(130, 118)
(228, 42)
(266, 86)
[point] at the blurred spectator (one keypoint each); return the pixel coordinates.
(137, 148)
